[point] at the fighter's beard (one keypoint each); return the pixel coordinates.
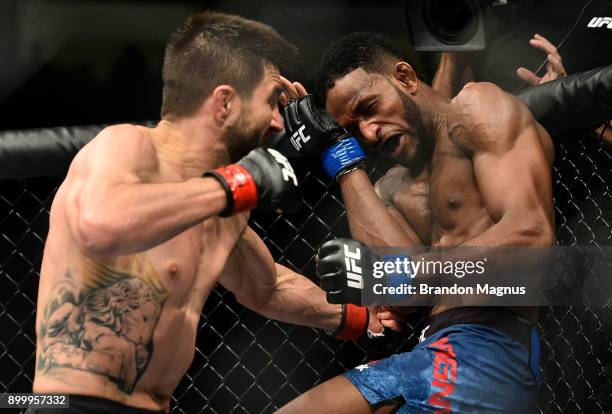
(423, 141)
(241, 139)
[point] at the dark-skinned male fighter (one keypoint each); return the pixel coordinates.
(471, 171)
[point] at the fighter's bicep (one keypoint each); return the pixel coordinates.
(514, 180)
(510, 165)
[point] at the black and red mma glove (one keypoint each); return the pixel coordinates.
(345, 269)
(263, 178)
(353, 324)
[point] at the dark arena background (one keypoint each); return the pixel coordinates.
(79, 62)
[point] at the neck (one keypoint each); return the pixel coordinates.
(189, 146)
(433, 110)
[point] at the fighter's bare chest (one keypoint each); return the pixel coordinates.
(443, 198)
(193, 260)
(457, 207)
(451, 182)
(177, 259)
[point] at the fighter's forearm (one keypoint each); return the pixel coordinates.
(297, 300)
(525, 229)
(509, 248)
(135, 217)
(369, 220)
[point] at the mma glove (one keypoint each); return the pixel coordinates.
(345, 267)
(263, 178)
(310, 131)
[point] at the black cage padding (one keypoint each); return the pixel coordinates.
(567, 105)
(575, 103)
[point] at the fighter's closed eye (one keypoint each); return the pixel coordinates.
(366, 107)
(370, 108)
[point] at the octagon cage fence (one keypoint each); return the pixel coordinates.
(245, 363)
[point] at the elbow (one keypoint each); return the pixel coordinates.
(95, 235)
(538, 231)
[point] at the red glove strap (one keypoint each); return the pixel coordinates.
(241, 185)
(355, 322)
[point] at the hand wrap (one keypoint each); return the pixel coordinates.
(343, 157)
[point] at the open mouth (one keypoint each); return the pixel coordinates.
(390, 144)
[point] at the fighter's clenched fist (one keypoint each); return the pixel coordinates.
(263, 178)
(344, 266)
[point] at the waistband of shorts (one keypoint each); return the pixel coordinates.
(87, 401)
(501, 319)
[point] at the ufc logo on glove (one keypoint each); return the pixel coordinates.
(354, 275)
(287, 169)
(299, 136)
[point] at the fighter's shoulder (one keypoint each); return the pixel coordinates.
(120, 145)
(477, 98)
(479, 112)
(125, 140)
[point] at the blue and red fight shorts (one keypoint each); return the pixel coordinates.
(462, 368)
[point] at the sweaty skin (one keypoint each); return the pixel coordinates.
(135, 246)
(471, 171)
(118, 256)
(461, 199)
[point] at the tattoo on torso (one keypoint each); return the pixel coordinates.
(105, 324)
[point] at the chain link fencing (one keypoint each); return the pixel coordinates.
(245, 363)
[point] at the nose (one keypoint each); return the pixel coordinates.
(369, 132)
(276, 124)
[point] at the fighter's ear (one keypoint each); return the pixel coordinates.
(225, 101)
(406, 76)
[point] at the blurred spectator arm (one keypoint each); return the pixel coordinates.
(454, 71)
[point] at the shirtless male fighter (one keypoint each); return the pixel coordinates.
(149, 220)
(471, 171)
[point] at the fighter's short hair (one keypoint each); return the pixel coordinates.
(367, 50)
(213, 49)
